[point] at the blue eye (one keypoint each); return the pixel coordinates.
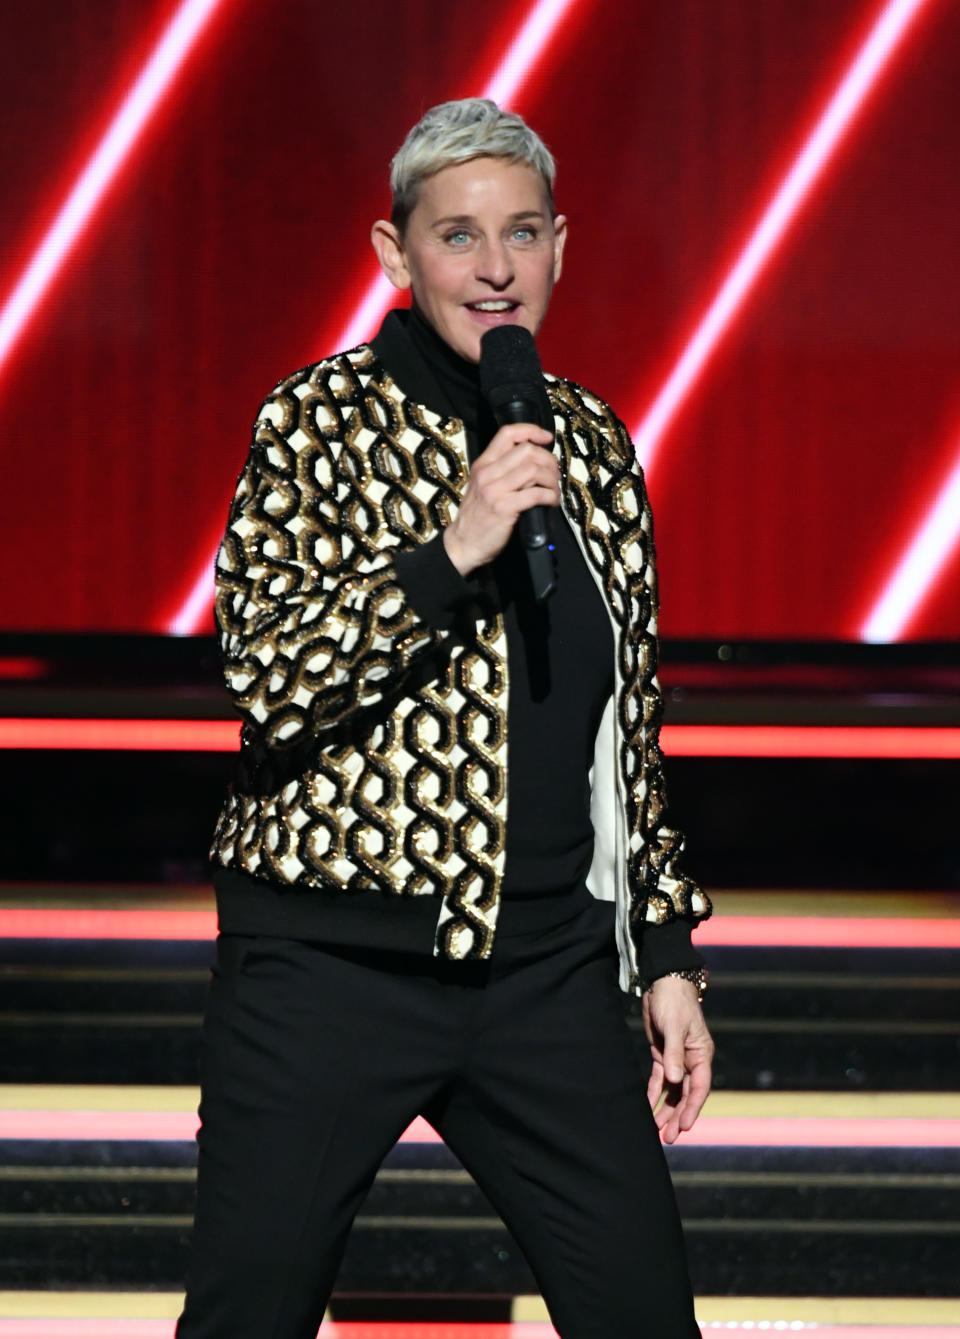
(525, 233)
(457, 238)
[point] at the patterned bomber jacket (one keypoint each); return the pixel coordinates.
(373, 747)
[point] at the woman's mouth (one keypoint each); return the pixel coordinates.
(493, 311)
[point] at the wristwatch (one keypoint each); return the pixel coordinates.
(698, 975)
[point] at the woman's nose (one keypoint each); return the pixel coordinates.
(494, 264)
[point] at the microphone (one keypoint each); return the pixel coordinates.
(511, 381)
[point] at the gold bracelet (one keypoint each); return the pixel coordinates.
(699, 976)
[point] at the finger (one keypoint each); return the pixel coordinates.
(655, 1085)
(537, 496)
(525, 473)
(668, 1094)
(668, 1116)
(519, 459)
(514, 434)
(521, 487)
(698, 1091)
(673, 1066)
(673, 1127)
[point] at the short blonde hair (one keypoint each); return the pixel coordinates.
(455, 132)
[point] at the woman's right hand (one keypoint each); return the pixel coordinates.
(515, 472)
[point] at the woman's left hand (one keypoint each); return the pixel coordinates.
(682, 1054)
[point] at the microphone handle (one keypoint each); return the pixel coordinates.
(534, 524)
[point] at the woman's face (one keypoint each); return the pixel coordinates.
(480, 249)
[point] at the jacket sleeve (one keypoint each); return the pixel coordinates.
(675, 902)
(314, 622)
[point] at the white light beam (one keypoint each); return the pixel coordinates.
(919, 567)
(77, 210)
(823, 141)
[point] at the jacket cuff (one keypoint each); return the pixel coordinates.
(432, 585)
(667, 948)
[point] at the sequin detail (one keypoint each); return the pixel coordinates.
(374, 748)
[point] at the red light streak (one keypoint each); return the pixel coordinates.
(918, 567)
(77, 211)
(23, 667)
(106, 923)
(502, 86)
(830, 932)
(720, 931)
(680, 741)
(828, 132)
(810, 741)
(147, 736)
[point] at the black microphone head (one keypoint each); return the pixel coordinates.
(508, 359)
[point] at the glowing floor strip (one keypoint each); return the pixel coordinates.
(57, 1321)
(782, 1325)
(90, 187)
(503, 86)
(114, 1328)
(919, 567)
(831, 126)
(829, 932)
(142, 735)
(732, 1119)
(720, 931)
(836, 1318)
(809, 741)
(843, 1315)
(679, 741)
(101, 923)
(842, 1312)
(709, 1131)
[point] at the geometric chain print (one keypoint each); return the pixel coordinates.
(605, 497)
(373, 752)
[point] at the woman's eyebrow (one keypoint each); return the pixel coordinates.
(471, 218)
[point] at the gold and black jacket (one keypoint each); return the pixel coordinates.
(373, 748)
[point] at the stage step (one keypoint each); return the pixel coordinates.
(770, 1219)
(826, 1164)
(877, 1019)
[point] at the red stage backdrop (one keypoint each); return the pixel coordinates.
(763, 278)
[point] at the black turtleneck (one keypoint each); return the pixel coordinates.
(559, 653)
(452, 383)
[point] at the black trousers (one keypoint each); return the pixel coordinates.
(315, 1060)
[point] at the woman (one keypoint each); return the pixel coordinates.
(448, 820)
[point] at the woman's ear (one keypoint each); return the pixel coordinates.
(559, 242)
(388, 245)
